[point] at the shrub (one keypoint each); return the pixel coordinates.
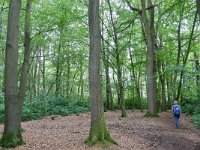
(135, 104)
(42, 106)
(196, 117)
(51, 105)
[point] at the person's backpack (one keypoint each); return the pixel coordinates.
(177, 110)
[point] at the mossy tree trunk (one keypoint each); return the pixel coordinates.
(12, 131)
(98, 130)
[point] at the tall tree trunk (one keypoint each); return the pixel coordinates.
(109, 98)
(186, 58)
(105, 53)
(162, 82)
(169, 83)
(151, 63)
(118, 66)
(197, 64)
(27, 53)
(68, 75)
(43, 72)
(196, 55)
(80, 87)
(12, 131)
(58, 74)
(98, 129)
(178, 54)
(136, 81)
(38, 86)
(34, 76)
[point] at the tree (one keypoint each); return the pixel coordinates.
(27, 53)
(12, 129)
(197, 62)
(98, 129)
(120, 87)
(151, 64)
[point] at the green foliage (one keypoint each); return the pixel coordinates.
(196, 116)
(189, 105)
(135, 104)
(47, 105)
(42, 106)
(188, 109)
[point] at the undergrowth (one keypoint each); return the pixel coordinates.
(42, 106)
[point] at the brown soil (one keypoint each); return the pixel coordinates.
(132, 133)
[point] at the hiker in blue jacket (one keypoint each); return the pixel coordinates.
(176, 112)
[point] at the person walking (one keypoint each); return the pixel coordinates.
(176, 109)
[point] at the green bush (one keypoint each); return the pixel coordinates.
(189, 105)
(130, 104)
(46, 106)
(188, 109)
(196, 117)
(42, 106)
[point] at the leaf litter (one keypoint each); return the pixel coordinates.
(132, 133)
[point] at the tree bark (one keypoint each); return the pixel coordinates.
(151, 63)
(12, 131)
(98, 130)
(27, 53)
(58, 69)
(197, 64)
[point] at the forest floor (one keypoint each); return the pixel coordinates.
(132, 133)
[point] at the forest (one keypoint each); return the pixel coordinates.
(106, 58)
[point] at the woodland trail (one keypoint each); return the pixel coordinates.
(132, 133)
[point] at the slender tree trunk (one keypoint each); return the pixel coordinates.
(34, 77)
(118, 66)
(162, 82)
(39, 72)
(169, 92)
(136, 81)
(196, 56)
(178, 54)
(197, 64)
(80, 87)
(98, 129)
(105, 51)
(43, 72)
(68, 75)
(57, 92)
(27, 53)
(12, 131)
(109, 98)
(186, 58)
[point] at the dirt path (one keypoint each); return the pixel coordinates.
(132, 133)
